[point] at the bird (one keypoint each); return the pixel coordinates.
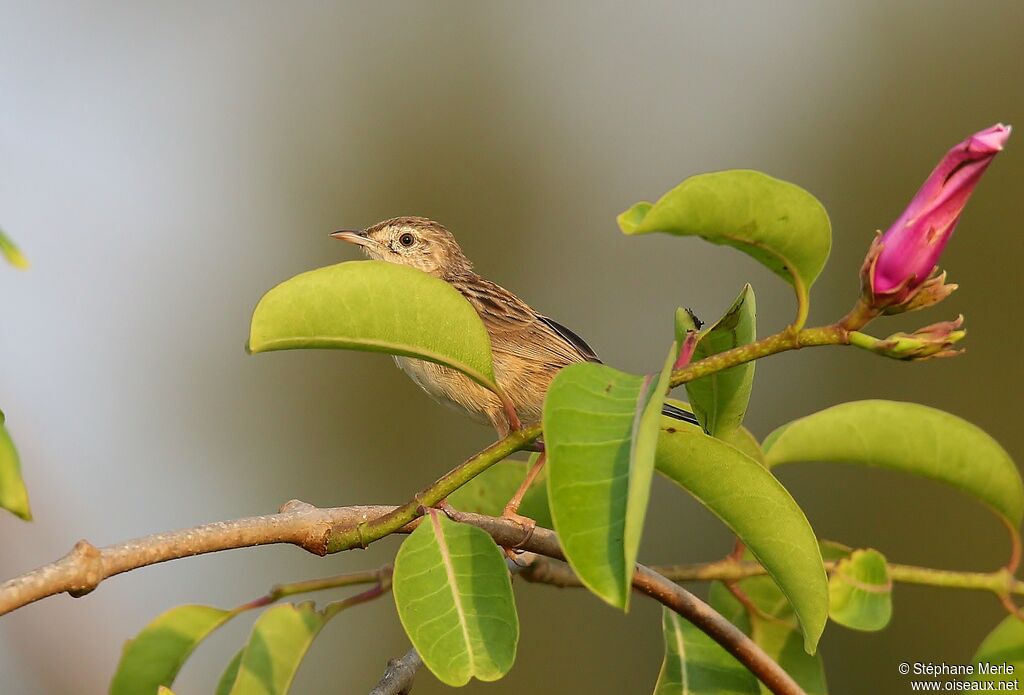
(528, 348)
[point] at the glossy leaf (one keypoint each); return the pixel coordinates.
(279, 640)
(11, 252)
(600, 432)
(686, 322)
(227, 679)
(745, 441)
(758, 509)
(777, 634)
(454, 598)
(154, 657)
(720, 400)
(643, 448)
(860, 591)
(781, 225)
(377, 307)
(489, 492)
(13, 495)
(1004, 645)
(695, 664)
(910, 438)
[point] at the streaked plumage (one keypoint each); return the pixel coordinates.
(528, 348)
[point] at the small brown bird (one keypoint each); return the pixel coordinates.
(528, 348)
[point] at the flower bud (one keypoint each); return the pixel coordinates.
(936, 340)
(902, 260)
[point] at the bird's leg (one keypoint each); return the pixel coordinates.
(512, 508)
(514, 425)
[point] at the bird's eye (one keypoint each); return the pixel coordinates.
(406, 239)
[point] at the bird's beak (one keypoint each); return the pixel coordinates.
(353, 236)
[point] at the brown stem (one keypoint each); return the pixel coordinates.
(399, 674)
(645, 580)
(82, 570)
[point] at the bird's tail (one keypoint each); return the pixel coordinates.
(677, 413)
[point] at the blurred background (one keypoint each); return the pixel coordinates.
(165, 164)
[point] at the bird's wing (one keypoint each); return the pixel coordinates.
(518, 330)
(577, 342)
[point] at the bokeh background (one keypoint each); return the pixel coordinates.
(163, 164)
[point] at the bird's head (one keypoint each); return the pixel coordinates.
(413, 241)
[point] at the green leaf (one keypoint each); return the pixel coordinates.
(11, 252)
(227, 679)
(758, 509)
(13, 495)
(279, 640)
(781, 225)
(489, 492)
(156, 654)
(686, 322)
(910, 438)
(376, 307)
(454, 598)
(742, 439)
(776, 634)
(860, 591)
(697, 665)
(1004, 645)
(600, 433)
(720, 400)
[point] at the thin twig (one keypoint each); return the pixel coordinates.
(399, 674)
(279, 591)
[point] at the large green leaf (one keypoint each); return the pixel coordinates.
(156, 654)
(227, 679)
(697, 665)
(11, 252)
(377, 307)
(489, 492)
(906, 437)
(860, 591)
(758, 509)
(454, 598)
(279, 640)
(720, 400)
(1004, 645)
(13, 495)
(600, 433)
(774, 631)
(780, 224)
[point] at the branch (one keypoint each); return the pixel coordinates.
(82, 570)
(399, 674)
(301, 524)
(999, 582)
(788, 339)
(346, 535)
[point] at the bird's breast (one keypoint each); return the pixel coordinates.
(449, 387)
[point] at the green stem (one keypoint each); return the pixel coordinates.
(361, 535)
(380, 576)
(788, 339)
(999, 582)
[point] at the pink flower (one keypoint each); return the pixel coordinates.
(906, 255)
